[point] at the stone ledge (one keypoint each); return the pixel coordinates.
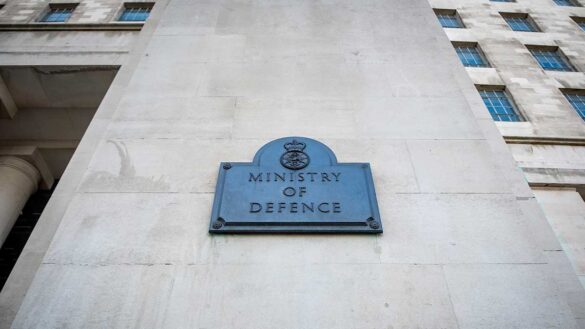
(71, 27)
(544, 140)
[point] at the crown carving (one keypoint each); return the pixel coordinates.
(295, 146)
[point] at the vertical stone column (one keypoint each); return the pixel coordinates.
(18, 180)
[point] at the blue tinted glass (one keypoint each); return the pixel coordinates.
(520, 24)
(470, 56)
(499, 105)
(581, 25)
(565, 3)
(551, 60)
(58, 15)
(578, 102)
(135, 14)
(449, 20)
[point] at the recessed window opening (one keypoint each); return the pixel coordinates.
(470, 54)
(551, 58)
(576, 98)
(499, 103)
(520, 22)
(580, 21)
(567, 3)
(59, 13)
(449, 18)
(136, 11)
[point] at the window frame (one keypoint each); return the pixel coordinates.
(450, 12)
(476, 46)
(57, 6)
(501, 88)
(131, 5)
(578, 92)
(554, 49)
(524, 16)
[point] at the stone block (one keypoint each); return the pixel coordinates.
(506, 296)
(455, 167)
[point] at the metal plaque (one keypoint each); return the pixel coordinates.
(295, 185)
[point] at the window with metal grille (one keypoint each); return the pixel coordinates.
(470, 55)
(577, 100)
(580, 21)
(520, 22)
(136, 12)
(551, 59)
(449, 18)
(569, 3)
(59, 13)
(499, 104)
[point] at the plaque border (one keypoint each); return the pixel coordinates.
(219, 225)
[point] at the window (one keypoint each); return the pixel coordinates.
(449, 18)
(520, 22)
(577, 100)
(136, 11)
(502, 1)
(499, 104)
(551, 58)
(580, 21)
(570, 3)
(470, 54)
(59, 13)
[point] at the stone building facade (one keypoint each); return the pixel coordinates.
(133, 117)
(549, 141)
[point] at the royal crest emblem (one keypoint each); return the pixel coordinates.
(294, 158)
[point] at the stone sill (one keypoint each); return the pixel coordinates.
(135, 26)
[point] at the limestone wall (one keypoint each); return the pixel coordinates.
(465, 244)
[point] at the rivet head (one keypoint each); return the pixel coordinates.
(227, 166)
(374, 225)
(218, 223)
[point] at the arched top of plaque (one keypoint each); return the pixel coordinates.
(295, 153)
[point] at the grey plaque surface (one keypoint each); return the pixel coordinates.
(295, 185)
